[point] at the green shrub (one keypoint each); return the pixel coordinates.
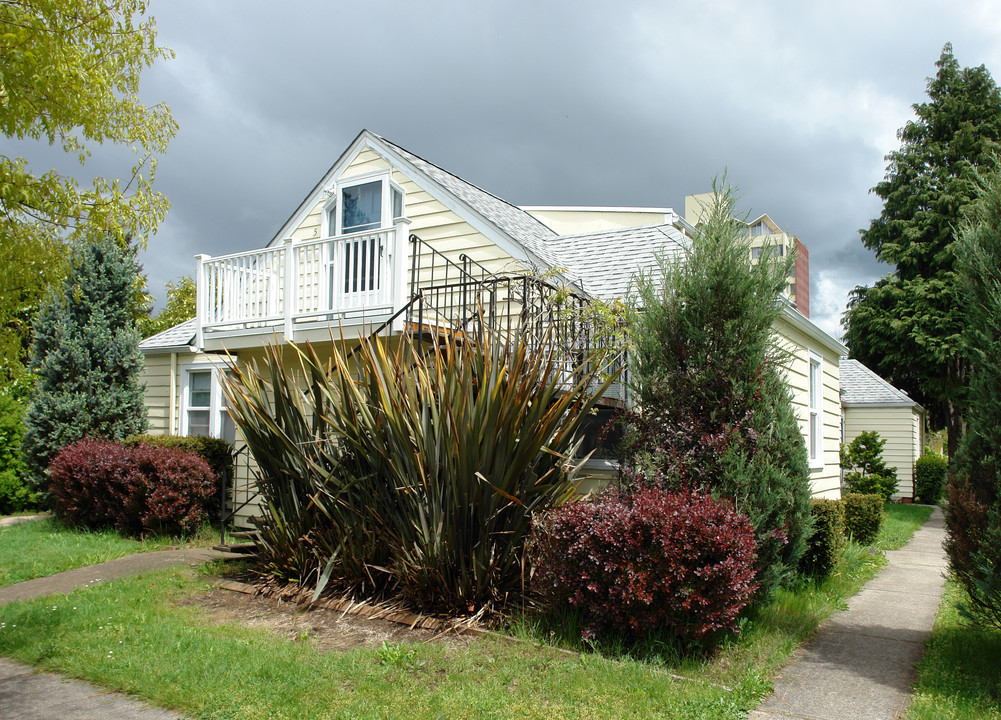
(828, 535)
(863, 516)
(412, 470)
(15, 496)
(866, 472)
(929, 478)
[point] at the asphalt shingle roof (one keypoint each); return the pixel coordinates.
(606, 262)
(178, 336)
(860, 387)
(526, 229)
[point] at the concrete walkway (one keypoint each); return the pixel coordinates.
(28, 695)
(862, 662)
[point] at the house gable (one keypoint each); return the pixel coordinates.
(445, 211)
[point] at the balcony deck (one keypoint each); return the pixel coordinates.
(348, 281)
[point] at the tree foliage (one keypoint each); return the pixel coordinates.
(180, 307)
(86, 358)
(973, 514)
(70, 77)
(909, 326)
(715, 414)
(865, 470)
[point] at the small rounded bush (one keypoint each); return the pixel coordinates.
(863, 516)
(97, 483)
(929, 478)
(828, 535)
(633, 563)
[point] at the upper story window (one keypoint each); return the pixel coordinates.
(760, 228)
(360, 204)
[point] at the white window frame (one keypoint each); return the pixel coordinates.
(217, 401)
(332, 206)
(815, 411)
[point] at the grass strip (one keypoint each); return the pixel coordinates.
(45, 547)
(130, 636)
(960, 675)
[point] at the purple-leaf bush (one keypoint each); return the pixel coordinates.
(646, 561)
(137, 490)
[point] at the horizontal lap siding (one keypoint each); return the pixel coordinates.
(156, 376)
(895, 425)
(825, 482)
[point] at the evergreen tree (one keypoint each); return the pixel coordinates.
(909, 326)
(86, 357)
(715, 414)
(973, 514)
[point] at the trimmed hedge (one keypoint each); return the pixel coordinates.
(136, 490)
(863, 516)
(929, 478)
(636, 563)
(828, 535)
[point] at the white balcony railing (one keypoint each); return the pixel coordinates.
(280, 288)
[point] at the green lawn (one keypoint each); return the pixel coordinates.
(44, 547)
(128, 635)
(960, 676)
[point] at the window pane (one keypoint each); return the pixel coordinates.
(361, 207)
(198, 422)
(397, 204)
(228, 427)
(199, 389)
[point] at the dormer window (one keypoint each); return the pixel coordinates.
(360, 204)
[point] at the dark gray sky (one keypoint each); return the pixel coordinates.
(549, 103)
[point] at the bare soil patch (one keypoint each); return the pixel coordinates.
(327, 630)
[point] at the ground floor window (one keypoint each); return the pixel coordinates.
(203, 404)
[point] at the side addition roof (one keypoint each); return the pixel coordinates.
(861, 387)
(179, 337)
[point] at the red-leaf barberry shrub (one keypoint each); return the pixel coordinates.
(97, 483)
(647, 561)
(87, 480)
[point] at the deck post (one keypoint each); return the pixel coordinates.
(201, 299)
(399, 268)
(291, 281)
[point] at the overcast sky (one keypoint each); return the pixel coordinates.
(553, 103)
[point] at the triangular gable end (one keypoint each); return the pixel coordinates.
(385, 150)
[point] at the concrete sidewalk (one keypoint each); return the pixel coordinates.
(67, 582)
(862, 662)
(28, 695)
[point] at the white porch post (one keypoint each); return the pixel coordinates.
(291, 286)
(401, 241)
(201, 299)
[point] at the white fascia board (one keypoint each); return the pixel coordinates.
(801, 322)
(168, 350)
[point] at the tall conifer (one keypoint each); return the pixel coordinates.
(714, 412)
(86, 357)
(909, 325)
(973, 514)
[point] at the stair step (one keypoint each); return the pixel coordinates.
(241, 548)
(245, 534)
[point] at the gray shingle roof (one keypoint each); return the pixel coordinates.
(526, 229)
(606, 262)
(178, 336)
(861, 387)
